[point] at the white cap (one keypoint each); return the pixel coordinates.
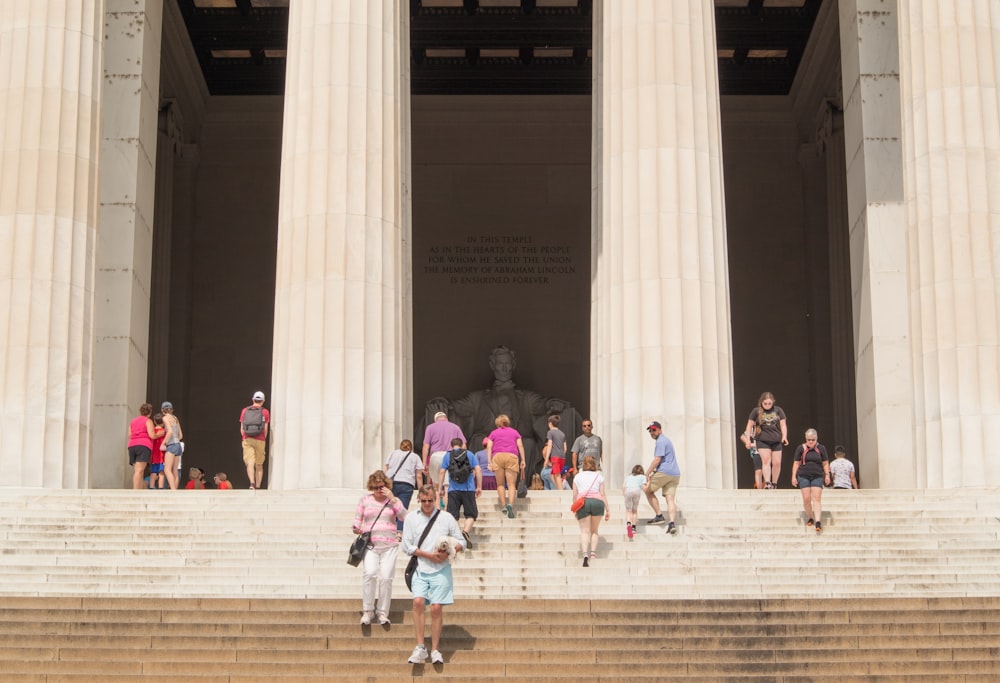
(258, 396)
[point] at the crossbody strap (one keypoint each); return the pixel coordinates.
(427, 529)
(377, 516)
(393, 477)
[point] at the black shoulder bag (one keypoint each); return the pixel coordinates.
(411, 566)
(363, 542)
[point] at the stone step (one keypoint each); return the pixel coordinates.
(314, 640)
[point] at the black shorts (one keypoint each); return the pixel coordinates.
(463, 499)
(138, 454)
(769, 445)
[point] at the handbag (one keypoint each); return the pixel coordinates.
(578, 503)
(411, 566)
(359, 547)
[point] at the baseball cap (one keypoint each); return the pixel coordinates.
(258, 396)
(166, 405)
(439, 414)
(653, 425)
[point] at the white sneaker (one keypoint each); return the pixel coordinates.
(366, 618)
(436, 657)
(383, 619)
(419, 655)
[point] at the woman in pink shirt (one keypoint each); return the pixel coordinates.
(378, 512)
(141, 433)
(505, 452)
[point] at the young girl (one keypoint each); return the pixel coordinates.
(633, 488)
(156, 475)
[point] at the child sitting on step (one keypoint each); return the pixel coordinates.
(633, 487)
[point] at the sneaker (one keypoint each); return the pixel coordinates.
(630, 531)
(593, 555)
(366, 618)
(468, 540)
(383, 619)
(656, 520)
(586, 561)
(510, 511)
(419, 655)
(672, 528)
(810, 522)
(251, 487)
(819, 527)
(436, 657)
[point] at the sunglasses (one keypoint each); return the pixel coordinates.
(426, 500)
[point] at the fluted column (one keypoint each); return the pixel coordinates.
(341, 327)
(950, 68)
(660, 315)
(878, 243)
(50, 55)
(129, 118)
(830, 141)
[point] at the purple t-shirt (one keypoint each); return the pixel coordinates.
(438, 435)
(505, 440)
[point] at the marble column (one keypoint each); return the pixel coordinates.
(949, 73)
(878, 243)
(129, 123)
(49, 150)
(660, 316)
(830, 144)
(341, 375)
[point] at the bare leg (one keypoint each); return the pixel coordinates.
(653, 503)
(595, 523)
(418, 619)
(765, 464)
(170, 469)
(511, 478)
(671, 508)
(817, 503)
(584, 534)
(807, 502)
(138, 469)
(259, 475)
(775, 466)
(436, 623)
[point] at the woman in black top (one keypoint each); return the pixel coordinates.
(810, 472)
(766, 428)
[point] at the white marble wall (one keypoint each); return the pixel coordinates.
(949, 71)
(129, 115)
(878, 243)
(340, 377)
(49, 148)
(660, 315)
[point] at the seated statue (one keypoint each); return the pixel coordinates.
(528, 410)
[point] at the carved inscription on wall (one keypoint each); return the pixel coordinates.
(500, 260)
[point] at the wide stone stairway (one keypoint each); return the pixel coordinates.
(236, 586)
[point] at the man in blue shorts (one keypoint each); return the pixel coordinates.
(432, 582)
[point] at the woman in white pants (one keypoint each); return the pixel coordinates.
(378, 512)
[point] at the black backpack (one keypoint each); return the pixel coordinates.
(253, 421)
(459, 468)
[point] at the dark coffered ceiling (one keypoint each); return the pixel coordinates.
(497, 46)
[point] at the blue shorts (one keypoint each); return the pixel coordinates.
(175, 448)
(156, 468)
(436, 588)
(807, 483)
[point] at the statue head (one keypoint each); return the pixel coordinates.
(503, 361)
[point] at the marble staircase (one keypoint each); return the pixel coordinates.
(235, 586)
